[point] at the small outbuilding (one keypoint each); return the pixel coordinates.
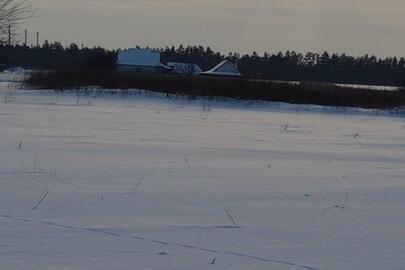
(225, 68)
(184, 68)
(140, 60)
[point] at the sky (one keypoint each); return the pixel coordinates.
(355, 27)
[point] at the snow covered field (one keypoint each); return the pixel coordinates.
(143, 182)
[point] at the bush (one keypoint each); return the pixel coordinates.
(240, 88)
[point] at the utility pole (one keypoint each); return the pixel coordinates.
(9, 35)
(37, 39)
(25, 38)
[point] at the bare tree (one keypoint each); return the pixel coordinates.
(12, 14)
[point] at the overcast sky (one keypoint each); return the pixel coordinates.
(352, 26)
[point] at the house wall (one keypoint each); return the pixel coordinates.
(140, 69)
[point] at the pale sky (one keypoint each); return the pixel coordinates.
(352, 26)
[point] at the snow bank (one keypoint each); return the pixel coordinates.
(16, 74)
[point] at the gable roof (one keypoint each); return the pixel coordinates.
(138, 57)
(184, 68)
(225, 68)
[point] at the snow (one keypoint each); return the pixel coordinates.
(346, 85)
(370, 87)
(138, 57)
(94, 180)
(12, 75)
(184, 68)
(225, 68)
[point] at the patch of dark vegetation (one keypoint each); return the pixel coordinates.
(281, 66)
(55, 56)
(239, 88)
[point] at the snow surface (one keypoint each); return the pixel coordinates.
(346, 85)
(94, 180)
(370, 87)
(225, 68)
(184, 68)
(138, 57)
(13, 75)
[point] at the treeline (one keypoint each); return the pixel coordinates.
(293, 66)
(55, 56)
(288, 66)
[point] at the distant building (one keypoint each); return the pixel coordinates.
(184, 68)
(140, 60)
(225, 68)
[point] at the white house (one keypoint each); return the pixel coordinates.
(140, 60)
(184, 68)
(225, 68)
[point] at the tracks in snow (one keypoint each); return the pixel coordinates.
(159, 242)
